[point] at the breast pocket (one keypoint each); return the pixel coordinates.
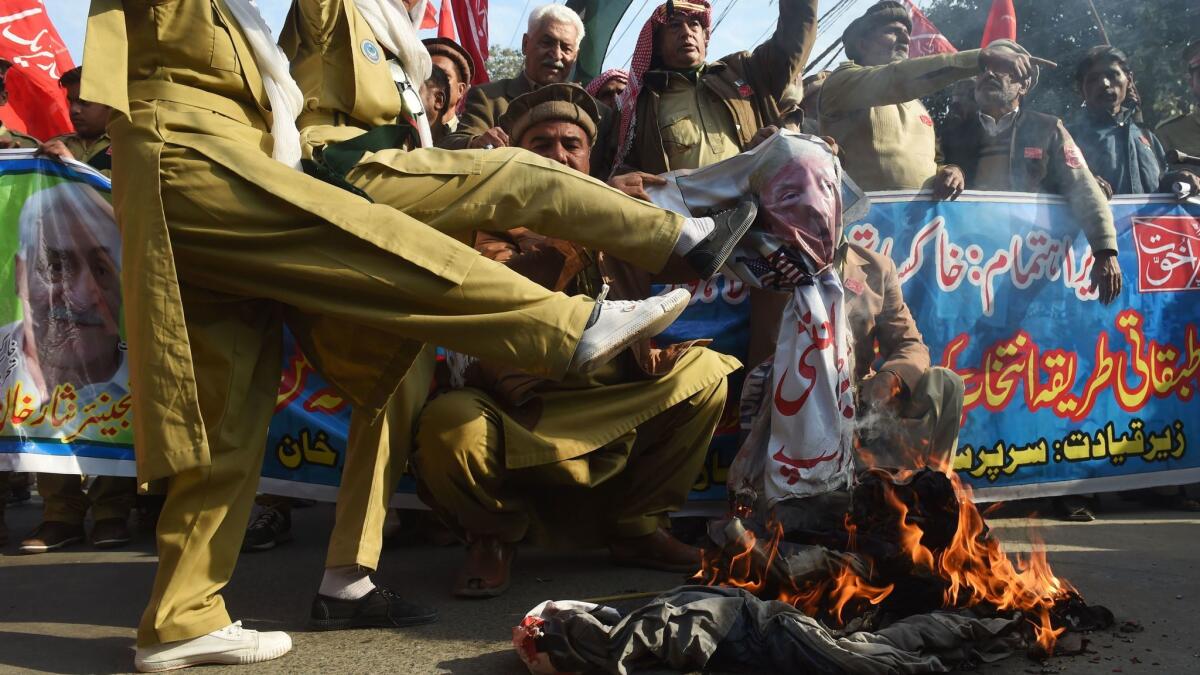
(223, 55)
(680, 134)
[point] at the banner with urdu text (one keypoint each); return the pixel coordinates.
(1063, 395)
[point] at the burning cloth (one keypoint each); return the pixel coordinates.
(801, 405)
(696, 627)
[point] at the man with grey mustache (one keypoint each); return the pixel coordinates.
(67, 271)
(551, 46)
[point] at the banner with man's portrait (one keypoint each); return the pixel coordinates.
(65, 404)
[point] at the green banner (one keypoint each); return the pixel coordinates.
(600, 19)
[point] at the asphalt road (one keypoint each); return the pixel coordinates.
(74, 611)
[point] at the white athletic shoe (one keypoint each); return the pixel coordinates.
(231, 645)
(616, 324)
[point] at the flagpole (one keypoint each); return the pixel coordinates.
(1099, 22)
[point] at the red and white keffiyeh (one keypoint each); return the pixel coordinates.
(643, 56)
(604, 78)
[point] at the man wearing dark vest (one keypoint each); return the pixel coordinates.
(1010, 148)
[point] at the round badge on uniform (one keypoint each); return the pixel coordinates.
(371, 51)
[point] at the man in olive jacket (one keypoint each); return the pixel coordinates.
(680, 112)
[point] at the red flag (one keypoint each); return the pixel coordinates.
(470, 16)
(11, 120)
(430, 18)
(926, 39)
(29, 40)
(1001, 23)
(446, 23)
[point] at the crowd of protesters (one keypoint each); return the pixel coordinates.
(547, 181)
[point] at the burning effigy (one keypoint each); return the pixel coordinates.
(846, 548)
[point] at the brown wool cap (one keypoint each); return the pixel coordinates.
(564, 101)
(880, 13)
(443, 46)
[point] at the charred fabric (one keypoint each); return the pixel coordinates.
(898, 575)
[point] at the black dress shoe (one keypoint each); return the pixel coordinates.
(381, 608)
(709, 255)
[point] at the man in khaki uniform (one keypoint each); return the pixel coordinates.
(9, 139)
(611, 452)
(110, 498)
(89, 143)
(680, 112)
(354, 113)
(220, 239)
(1182, 132)
(870, 105)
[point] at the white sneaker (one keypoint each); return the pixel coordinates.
(231, 645)
(619, 323)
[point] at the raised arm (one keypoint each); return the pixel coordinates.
(852, 87)
(780, 60)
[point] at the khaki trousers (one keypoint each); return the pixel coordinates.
(242, 255)
(461, 191)
(628, 487)
(377, 453)
(65, 501)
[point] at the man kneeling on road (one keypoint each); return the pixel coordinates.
(611, 452)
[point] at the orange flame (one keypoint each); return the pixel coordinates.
(974, 566)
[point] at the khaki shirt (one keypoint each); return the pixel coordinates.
(85, 152)
(18, 139)
(342, 70)
(1181, 133)
(885, 135)
(696, 128)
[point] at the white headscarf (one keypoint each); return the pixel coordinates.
(282, 91)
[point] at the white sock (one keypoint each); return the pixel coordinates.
(693, 232)
(346, 583)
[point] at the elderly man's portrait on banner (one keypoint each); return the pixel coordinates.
(64, 376)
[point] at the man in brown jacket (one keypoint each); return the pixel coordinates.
(680, 112)
(550, 46)
(607, 454)
(915, 402)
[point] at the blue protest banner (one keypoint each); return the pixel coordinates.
(1063, 395)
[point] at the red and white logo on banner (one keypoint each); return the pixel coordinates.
(29, 41)
(1168, 252)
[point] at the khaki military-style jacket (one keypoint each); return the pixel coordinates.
(342, 70)
(747, 84)
(19, 139)
(885, 135)
(877, 314)
(180, 75)
(97, 154)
